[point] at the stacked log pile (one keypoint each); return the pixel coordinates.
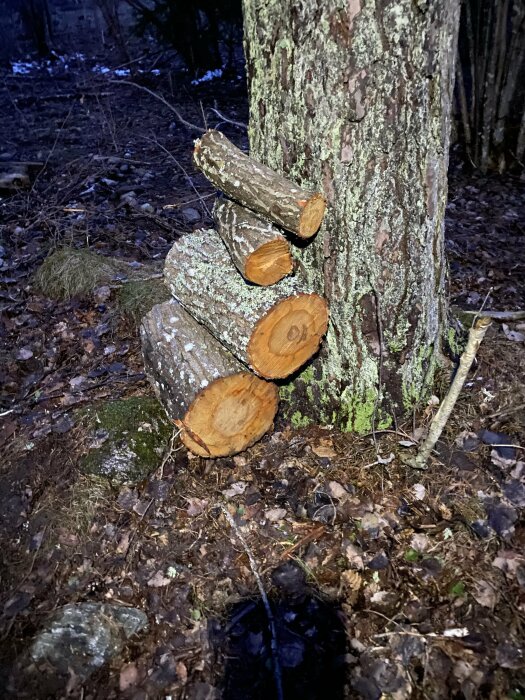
(237, 319)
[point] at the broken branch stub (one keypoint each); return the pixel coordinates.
(258, 187)
(220, 408)
(274, 330)
(260, 252)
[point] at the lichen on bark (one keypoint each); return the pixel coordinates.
(353, 99)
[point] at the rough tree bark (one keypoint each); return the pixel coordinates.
(353, 99)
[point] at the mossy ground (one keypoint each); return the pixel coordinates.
(128, 438)
(136, 298)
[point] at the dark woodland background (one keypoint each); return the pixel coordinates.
(205, 36)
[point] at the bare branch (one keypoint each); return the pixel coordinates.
(179, 116)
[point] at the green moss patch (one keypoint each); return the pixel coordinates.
(126, 438)
(136, 298)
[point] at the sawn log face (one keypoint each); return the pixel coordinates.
(259, 251)
(220, 407)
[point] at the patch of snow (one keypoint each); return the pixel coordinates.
(100, 69)
(209, 75)
(23, 67)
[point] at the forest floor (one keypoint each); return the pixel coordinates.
(384, 581)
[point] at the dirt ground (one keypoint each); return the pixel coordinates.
(383, 581)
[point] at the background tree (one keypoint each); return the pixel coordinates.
(37, 23)
(355, 98)
(195, 30)
(491, 82)
(109, 10)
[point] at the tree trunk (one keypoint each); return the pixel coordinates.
(220, 408)
(354, 99)
(274, 330)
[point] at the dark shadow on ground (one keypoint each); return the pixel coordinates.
(310, 642)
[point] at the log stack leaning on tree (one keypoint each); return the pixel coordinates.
(193, 350)
(274, 330)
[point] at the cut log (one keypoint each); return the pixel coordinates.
(259, 251)
(220, 408)
(258, 187)
(274, 330)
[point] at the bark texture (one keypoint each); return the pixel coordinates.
(354, 98)
(274, 330)
(220, 408)
(258, 187)
(259, 251)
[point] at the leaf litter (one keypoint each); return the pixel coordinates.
(381, 581)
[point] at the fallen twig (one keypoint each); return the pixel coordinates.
(179, 116)
(494, 315)
(476, 335)
(266, 603)
(170, 155)
(226, 119)
(310, 537)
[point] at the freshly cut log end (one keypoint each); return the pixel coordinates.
(229, 415)
(220, 408)
(312, 216)
(288, 335)
(259, 251)
(269, 263)
(258, 187)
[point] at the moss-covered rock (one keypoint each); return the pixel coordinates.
(126, 438)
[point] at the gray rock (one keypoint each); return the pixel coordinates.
(76, 641)
(83, 636)
(191, 215)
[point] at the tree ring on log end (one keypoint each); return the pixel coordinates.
(311, 216)
(229, 415)
(269, 263)
(288, 335)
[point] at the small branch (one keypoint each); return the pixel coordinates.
(494, 315)
(239, 125)
(504, 412)
(266, 603)
(476, 335)
(170, 155)
(179, 116)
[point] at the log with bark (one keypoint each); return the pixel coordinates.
(274, 330)
(258, 187)
(220, 408)
(259, 251)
